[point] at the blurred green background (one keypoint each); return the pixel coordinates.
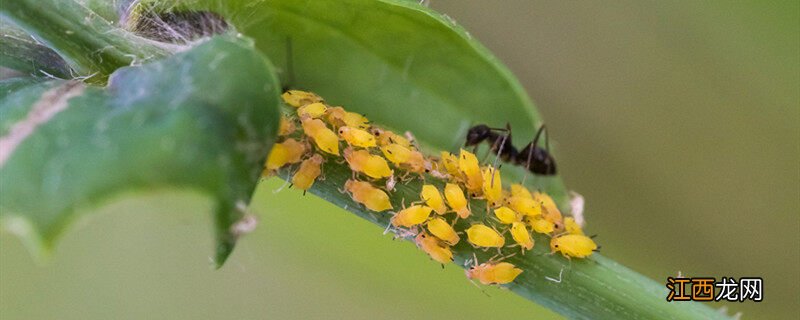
(678, 121)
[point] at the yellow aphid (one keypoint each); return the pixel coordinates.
(450, 163)
(411, 216)
(313, 110)
(573, 245)
(550, 211)
(339, 117)
(456, 200)
(430, 194)
(468, 166)
(323, 137)
(518, 190)
(572, 226)
(417, 163)
(386, 137)
(490, 273)
(309, 170)
(442, 230)
(396, 153)
(286, 126)
(541, 225)
(357, 137)
(289, 151)
(371, 197)
(483, 236)
(521, 236)
(492, 188)
(434, 248)
(297, 98)
(505, 215)
(524, 206)
(371, 165)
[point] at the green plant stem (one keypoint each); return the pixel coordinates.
(593, 288)
(91, 45)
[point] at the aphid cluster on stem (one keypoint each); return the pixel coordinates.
(380, 158)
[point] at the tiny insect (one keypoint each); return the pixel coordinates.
(500, 142)
(533, 157)
(411, 216)
(469, 167)
(442, 230)
(521, 235)
(430, 194)
(434, 248)
(482, 236)
(386, 137)
(287, 152)
(308, 172)
(371, 197)
(488, 273)
(396, 153)
(372, 165)
(550, 211)
(321, 135)
(525, 206)
(456, 200)
(537, 159)
(338, 117)
(518, 190)
(571, 226)
(286, 126)
(540, 225)
(312, 110)
(573, 245)
(357, 137)
(492, 186)
(505, 215)
(450, 162)
(297, 98)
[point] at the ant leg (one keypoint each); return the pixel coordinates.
(497, 156)
(531, 147)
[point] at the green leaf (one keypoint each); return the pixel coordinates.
(19, 51)
(409, 68)
(190, 121)
(90, 44)
(402, 64)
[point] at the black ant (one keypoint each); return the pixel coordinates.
(501, 143)
(537, 159)
(533, 157)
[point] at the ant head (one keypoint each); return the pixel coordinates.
(477, 134)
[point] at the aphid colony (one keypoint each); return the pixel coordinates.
(380, 158)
